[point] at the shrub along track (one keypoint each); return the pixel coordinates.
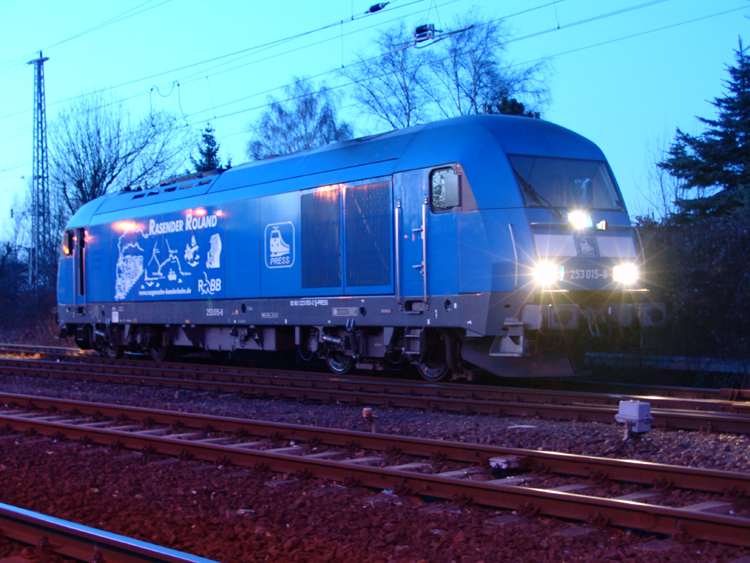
(697, 503)
(703, 411)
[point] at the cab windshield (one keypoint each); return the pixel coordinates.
(566, 183)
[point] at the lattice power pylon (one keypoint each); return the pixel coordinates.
(41, 220)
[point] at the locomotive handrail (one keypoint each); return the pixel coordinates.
(515, 250)
(397, 212)
(424, 249)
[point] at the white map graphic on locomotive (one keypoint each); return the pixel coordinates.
(129, 266)
(191, 253)
(162, 271)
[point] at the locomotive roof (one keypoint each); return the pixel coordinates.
(469, 140)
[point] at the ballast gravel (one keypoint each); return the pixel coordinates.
(232, 515)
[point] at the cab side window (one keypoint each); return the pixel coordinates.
(68, 243)
(445, 189)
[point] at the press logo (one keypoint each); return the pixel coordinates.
(279, 245)
(587, 247)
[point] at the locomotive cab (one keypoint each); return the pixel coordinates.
(586, 276)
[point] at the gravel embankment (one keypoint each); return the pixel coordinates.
(236, 516)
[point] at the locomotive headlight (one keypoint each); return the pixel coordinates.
(625, 273)
(580, 220)
(546, 273)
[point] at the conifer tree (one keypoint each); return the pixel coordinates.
(716, 163)
(208, 149)
(511, 106)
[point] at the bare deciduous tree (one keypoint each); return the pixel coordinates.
(96, 148)
(459, 72)
(662, 191)
(305, 120)
(391, 85)
(469, 72)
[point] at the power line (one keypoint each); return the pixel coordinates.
(276, 88)
(636, 35)
(580, 22)
(591, 19)
(536, 34)
(232, 114)
(265, 45)
(227, 55)
(125, 15)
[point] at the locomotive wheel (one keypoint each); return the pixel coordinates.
(433, 371)
(339, 363)
(161, 353)
(111, 351)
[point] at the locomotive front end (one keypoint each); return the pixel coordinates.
(589, 270)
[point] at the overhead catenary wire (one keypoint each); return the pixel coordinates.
(201, 75)
(535, 34)
(548, 57)
(125, 15)
(268, 91)
(529, 36)
(192, 78)
(245, 51)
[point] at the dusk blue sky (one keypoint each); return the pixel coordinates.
(625, 73)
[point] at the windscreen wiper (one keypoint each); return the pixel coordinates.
(536, 196)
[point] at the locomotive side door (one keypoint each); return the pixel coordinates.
(443, 201)
(427, 250)
(408, 194)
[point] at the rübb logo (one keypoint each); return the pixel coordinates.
(279, 245)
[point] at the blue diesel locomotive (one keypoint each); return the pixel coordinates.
(482, 242)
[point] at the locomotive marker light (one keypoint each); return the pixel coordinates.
(125, 226)
(546, 273)
(625, 273)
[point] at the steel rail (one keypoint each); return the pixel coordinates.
(666, 363)
(724, 400)
(35, 348)
(398, 395)
(81, 542)
(528, 386)
(660, 519)
(709, 480)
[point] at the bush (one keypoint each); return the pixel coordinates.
(702, 271)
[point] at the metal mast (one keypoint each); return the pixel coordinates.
(41, 223)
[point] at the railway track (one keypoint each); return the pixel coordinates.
(82, 543)
(524, 385)
(556, 385)
(47, 351)
(719, 411)
(597, 491)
